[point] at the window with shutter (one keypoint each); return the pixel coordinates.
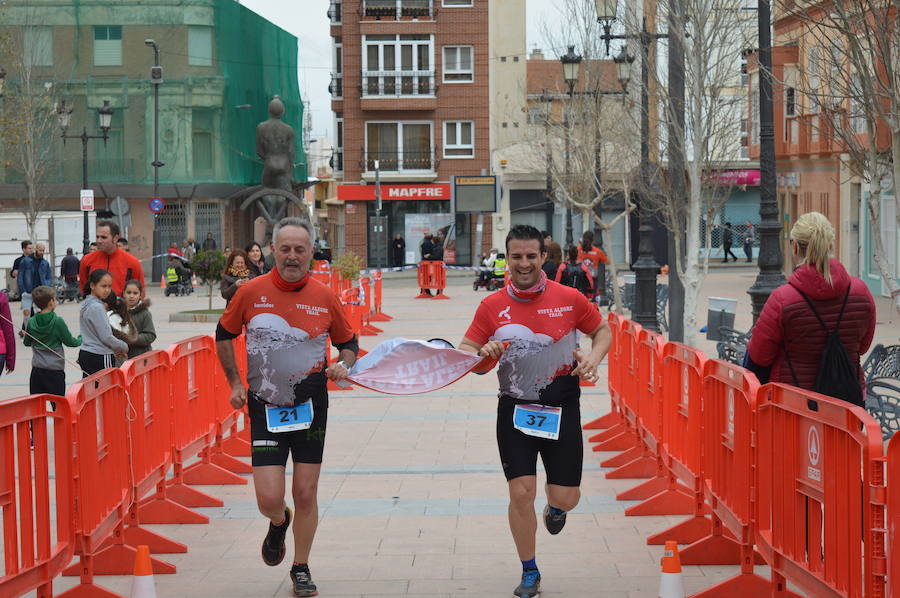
(107, 45)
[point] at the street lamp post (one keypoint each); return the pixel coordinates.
(547, 100)
(770, 260)
(645, 267)
(571, 63)
(156, 79)
(64, 115)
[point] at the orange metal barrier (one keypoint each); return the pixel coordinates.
(613, 377)
(365, 295)
(682, 371)
(321, 271)
(148, 384)
(729, 454)
(821, 521)
(893, 525)
(641, 461)
(624, 435)
(432, 276)
(32, 556)
(193, 422)
(378, 315)
(101, 482)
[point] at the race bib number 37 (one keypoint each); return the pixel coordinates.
(288, 419)
(538, 420)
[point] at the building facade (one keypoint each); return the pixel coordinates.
(410, 94)
(214, 92)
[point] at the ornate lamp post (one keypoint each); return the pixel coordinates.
(645, 267)
(770, 260)
(571, 63)
(156, 79)
(64, 115)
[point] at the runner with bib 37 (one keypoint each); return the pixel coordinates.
(532, 326)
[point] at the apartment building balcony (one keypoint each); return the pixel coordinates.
(406, 165)
(397, 10)
(380, 90)
(100, 170)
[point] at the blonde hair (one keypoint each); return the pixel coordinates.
(814, 234)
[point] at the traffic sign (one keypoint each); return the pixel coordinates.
(87, 200)
(119, 206)
(156, 205)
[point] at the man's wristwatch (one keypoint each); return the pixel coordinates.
(343, 364)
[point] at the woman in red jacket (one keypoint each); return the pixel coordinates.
(788, 334)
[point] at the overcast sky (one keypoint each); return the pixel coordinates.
(310, 25)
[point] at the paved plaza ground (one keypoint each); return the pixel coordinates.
(412, 497)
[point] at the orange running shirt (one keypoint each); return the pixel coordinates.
(592, 258)
(287, 334)
(543, 333)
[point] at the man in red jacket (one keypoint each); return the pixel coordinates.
(120, 264)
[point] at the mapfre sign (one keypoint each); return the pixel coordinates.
(438, 191)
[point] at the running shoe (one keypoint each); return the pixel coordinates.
(554, 523)
(273, 546)
(531, 584)
(303, 583)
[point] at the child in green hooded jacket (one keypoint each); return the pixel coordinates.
(47, 333)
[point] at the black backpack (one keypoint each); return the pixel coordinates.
(573, 276)
(837, 376)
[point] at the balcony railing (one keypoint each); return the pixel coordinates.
(396, 9)
(100, 170)
(334, 12)
(398, 83)
(336, 87)
(406, 161)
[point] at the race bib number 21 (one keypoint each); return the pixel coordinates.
(288, 419)
(538, 420)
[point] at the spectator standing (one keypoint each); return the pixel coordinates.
(47, 333)
(437, 248)
(209, 244)
(254, 257)
(122, 243)
(34, 271)
(139, 306)
(119, 264)
(788, 339)
(727, 240)
(427, 247)
(575, 273)
(7, 336)
(68, 271)
(554, 259)
(27, 250)
(398, 249)
(236, 274)
(488, 262)
(99, 347)
(749, 240)
(188, 250)
(173, 249)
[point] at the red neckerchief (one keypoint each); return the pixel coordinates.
(283, 285)
(527, 294)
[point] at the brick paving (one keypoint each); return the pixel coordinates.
(412, 498)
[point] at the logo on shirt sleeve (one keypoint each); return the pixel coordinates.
(504, 314)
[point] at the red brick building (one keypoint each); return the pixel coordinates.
(410, 92)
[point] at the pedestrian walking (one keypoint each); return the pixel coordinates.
(7, 336)
(538, 411)
(287, 383)
(575, 273)
(727, 240)
(139, 306)
(749, 240)
(554, 259)
(47, 333)
(821, 297)
(236, 274)
(398, 249)
(68, 271)
(254, 259)
(34, 271)
(119, 264)
(99, 348)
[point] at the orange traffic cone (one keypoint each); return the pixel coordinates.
(162, 282)
(194, 282)
(671, 584)
(142, 585)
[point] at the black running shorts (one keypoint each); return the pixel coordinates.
(305, 446)
(562, 458)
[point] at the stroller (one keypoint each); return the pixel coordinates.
(179, 276)
(66, 290)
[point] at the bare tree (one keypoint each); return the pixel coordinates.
(27, 119)
(850, 95)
